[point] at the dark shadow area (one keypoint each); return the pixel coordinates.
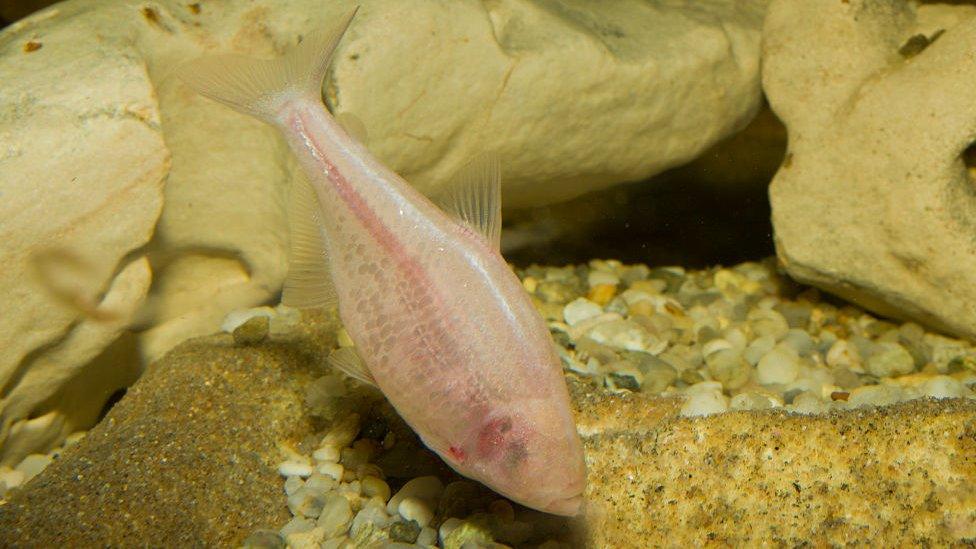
(712, 211)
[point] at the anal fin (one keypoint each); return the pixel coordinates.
(309, 281)
(474, 198)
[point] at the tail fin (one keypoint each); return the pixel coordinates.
(258, 87)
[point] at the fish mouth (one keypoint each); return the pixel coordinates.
(567, 507)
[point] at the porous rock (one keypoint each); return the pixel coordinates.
(873, 201)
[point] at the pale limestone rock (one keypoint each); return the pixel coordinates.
(873, 201)
(572, 95)
(81, 173)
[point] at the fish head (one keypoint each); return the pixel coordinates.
(530, 453)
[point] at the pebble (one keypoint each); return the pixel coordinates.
(808, 403)
(890, 359)
(729, 368)
(334, 470)
(309, 539)
(407, 531)
(253, 331)
(768, 322)
(343, 432)
(874, 395)
(375, 487)
(335, 516)
(371, 515)
(297, 524)
(415, 509)
(327, 453)
(292, 484)
(10, 478)
(600, 278)
(626, 334)
(306, 502)
(757, 348)
(753, 401)
(705, 403)
(428, 488)
(33, 464)
(944, 387)
(779, 366)
(295, 469)
(427, 536)
(579, 310)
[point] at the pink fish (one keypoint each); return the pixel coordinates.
(440, 323)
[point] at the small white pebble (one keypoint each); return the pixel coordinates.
(944, 387)
(293, 484)
(447, 527)
(595, 278)
(297, 524)
(309, 539)
(375, 487)
(412, 508)
(715, 346)
(334, 470)
(336, 543)
(327, 453)
(843, 354)
(343, 432)
(74, 438)
(320, 483)
(34, 464)
(294, 469)
(704, 403)
(10, 478)
(874, 395)
(236, 318)
(428, 488)
(808, 403)
(335, 516)
(781, 365)
(757, 348)
(579, 310)
(427, 536)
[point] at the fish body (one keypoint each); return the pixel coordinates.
(442, 325)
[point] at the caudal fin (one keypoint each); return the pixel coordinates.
(258, 87)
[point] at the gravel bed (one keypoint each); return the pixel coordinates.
(738, 338)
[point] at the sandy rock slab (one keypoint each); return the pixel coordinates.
(895, 476)
(187, 458)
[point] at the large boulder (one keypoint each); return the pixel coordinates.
(573, 96)
(873, 201)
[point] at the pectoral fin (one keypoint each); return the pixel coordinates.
(474, 198)
(349, 361)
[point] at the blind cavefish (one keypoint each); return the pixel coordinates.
(440, 322)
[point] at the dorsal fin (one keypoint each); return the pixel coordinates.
(309, 281)
(354, 126)
(349, 361)
(474, 197)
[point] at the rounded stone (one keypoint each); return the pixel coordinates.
(890, 359)
(780, 365)
(728, 367)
